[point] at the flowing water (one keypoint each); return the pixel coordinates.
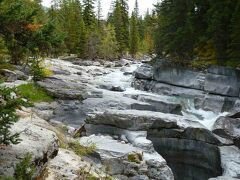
(116, 77)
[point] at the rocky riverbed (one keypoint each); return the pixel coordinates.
(147, 122)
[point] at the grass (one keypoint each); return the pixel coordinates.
(8, 66)
(34, 93)
(135, 157)
(81, 150)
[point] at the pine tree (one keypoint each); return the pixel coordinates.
(88, 13)
(234, 46)
(99, 13)
(220, 14)
(109, 47)
(8, 104)
(175, 35)
(134, 31)
(121, 24)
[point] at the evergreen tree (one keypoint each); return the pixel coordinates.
(220, 15)
(109, 47)
(88, 13)
(99, 13)
(70, 21)
(234, 46)
(134, 31)
(175, 35)
(8, 104)
(121, 24)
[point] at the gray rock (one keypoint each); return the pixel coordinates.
(136, 138)
(84, 63)
(221, 70)
(230, 161)
(141, 120)
(223, 178)
(122, 62)
(236, 107)
(21, 75)
(221, 84)
(166, 89)
(215, 103)
(108, 64)
(189, 159)
(63, 89)
(162, 106)
(228, 128)
(144, 72)
(59, 71)
(37, 140)
(66, 165)
(166, 72)
(118, 158)
(127, 70)
(112, 88)
(11, 76)
(222, 80)
(79, 73)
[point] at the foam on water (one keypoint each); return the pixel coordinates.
(116, 77)
(206, 118)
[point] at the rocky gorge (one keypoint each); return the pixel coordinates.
(158, 122)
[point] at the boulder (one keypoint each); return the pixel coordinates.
(144, 72)
(37, 139)
(162, 105)
(68, 165)
(59, 71)
(11, 76)
(84, 63)
(136, 138)
(63, 89)
(223, 81)
(140, 120)
(236, 107)
(125, 160)
(189, 159)
(214, 103)
(122, 62)
(230, 161)
(166, 89)
(112, 87)
(228, 128)
(166, 72)
(21, 75)
(127, 70)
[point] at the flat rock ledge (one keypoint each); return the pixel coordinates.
(189, 149)
(124, 161)
(68, 165)
(37, 139)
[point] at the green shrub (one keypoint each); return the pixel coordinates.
(34, 93)
(81, 150)
(25, 170)
(202, 64)
(6, 178)
(135, 157)
(38, 70)
(9, 102)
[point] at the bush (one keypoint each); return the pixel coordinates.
(9, 102)
(81, 150)
(34, 93)
(25, 170)
(38, 70)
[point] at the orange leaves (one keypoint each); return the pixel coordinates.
(33, 27)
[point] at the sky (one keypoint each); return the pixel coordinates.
(143, 5)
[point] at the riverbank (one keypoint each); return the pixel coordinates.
(120, 103)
